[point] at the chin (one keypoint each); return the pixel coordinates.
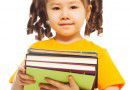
(67, 34)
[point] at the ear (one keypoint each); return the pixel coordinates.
(88, 12)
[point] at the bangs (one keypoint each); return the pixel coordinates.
(85, 2)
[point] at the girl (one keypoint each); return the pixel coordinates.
(66, 17)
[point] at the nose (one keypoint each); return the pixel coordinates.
(64, 14)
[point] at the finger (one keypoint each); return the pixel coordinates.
(43, 89)
(26, 82)
(55, 83)
(47, 86)
(71, 81)
(25, 76)
(21, 69)
(23, 82)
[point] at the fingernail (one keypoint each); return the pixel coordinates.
(43, 86)
(47, 78)
(70, 76)
(32, 78)
(34, 81)
(40, 84)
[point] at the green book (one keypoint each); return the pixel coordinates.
(59, 66)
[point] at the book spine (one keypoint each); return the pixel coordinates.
(70, 63)
(65, 66)
(63, 55)
(65, 70)
(81, 60)
(80, 53)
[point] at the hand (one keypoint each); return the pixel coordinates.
(22, 78)
(55, 85)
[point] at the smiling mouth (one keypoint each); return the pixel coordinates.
(66, 24)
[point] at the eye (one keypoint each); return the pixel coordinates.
(56, 8)
(74, 7)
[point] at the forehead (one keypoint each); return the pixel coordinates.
(57, 2)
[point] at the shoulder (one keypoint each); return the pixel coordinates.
(102, 51)
(41, 44)
(94, 46)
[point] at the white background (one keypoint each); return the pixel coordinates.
(14, 42)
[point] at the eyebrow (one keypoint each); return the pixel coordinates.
(59, 3)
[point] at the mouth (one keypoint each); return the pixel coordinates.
(66, 24)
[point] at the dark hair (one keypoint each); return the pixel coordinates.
(95, 21)
(38, 19)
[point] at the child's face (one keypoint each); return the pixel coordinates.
(66, 16)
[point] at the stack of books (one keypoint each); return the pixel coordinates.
(58, 65)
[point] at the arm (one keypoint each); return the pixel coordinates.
(15, 85)
(22, 79)
(112, 88)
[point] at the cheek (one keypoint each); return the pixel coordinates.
(52, 16)
(78, 16)
(53, 21)
(78, 19)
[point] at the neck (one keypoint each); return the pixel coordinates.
(68, 39)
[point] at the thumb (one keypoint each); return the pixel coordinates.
(72, 82)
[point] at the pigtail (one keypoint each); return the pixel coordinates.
(38, 20)
(95, 20)
(32, 18)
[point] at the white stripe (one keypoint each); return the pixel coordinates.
(63, 59)
(62, 66)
